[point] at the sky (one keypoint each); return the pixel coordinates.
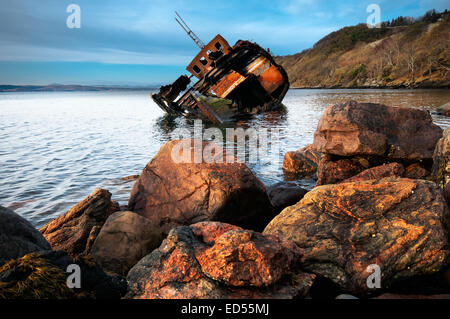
(138, 42)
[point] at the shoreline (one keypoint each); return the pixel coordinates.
(33, 89)
(371, 199)
(370, 88)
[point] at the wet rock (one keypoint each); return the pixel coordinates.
(215, 260)
(378, 172)
(334, 171)
(124, 239)
(44, 275)
(284, 194)
(416, 171)
(18, 237)
(129, 178)
(76, 230)
(171, 194)
(303, 162)
(399, 224)
(394, 133)
(440, 173)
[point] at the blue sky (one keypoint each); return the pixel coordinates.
(138, 42)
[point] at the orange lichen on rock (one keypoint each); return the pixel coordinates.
(217, 260)
(397, 223)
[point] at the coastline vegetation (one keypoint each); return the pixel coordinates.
(403, 52)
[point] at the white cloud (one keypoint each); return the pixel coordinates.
(8, 52)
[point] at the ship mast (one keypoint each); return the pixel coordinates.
(191, 34)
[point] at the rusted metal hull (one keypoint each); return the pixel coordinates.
(245, 74)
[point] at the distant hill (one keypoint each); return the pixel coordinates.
(404, 52)
(65, 88)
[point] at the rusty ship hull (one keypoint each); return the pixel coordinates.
(245, 77)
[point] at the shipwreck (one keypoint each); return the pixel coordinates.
(242, 79)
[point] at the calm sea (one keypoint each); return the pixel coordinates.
(56, 148)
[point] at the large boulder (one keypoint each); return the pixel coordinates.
(18, 237)
(396, 223)
(284, 194)
(76, 230)
(45, 275)
(303, 162)
(211, 260)
(376, 130)
(124, 239)
(440, 172)
(172, 192)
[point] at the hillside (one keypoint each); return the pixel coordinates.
(403, 53)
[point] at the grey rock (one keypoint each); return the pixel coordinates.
(124, 239)
(18, 237)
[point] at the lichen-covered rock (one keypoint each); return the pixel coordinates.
(284, 194)
(124, 239)
(440, 172)
(75, 231)
(18, 237)
(394, 133)
(246, 258)
(303, 162)
(399, 224)
(215, 260)
(334, 171)
(172, 194)
(44, 275)
(378, 172)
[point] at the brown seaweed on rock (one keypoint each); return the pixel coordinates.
(33, 277)
(43, 276)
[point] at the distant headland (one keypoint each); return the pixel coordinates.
(69, 88)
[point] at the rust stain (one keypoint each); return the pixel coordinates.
(228, 84)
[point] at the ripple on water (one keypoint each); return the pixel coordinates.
(56, 148)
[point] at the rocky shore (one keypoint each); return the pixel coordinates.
(213, 230)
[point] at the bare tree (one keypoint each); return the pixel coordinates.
(388, 54)
(396, 49)
(411, 61)
(431, 63)
(380, 66)
(389, 51)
